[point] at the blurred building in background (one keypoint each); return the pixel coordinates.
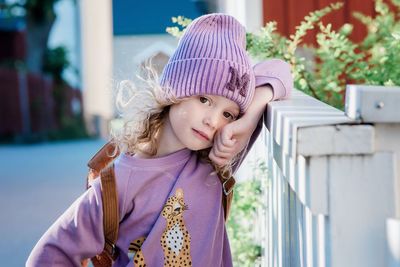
(40, 96)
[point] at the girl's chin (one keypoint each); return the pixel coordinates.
(198, 148)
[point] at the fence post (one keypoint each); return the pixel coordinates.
(378, 105)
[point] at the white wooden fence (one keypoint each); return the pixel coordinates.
(334, 194)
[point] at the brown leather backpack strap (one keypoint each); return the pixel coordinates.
(100, 160)
(227, 194)
(110, 217)
(101, 260)
(103, 157)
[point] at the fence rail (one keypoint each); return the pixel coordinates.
(334, 178)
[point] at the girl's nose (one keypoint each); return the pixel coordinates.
(210, 120)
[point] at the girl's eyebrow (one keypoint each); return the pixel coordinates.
(236, 109)
(233, 108)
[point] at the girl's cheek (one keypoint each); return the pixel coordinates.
(183, 113)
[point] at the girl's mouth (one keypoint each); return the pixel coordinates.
(201, 135)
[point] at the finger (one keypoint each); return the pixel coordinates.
(228, 142)
(217, 160)
(219, 156)
(225, 155)
(220, 147)
(220, 152)
(227, 137)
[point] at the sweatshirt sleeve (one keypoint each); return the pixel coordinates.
(277, 74)
(76, 235)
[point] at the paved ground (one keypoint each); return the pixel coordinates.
(37, 183)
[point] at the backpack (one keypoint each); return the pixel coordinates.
(101, 165)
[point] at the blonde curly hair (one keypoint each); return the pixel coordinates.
(143, 109)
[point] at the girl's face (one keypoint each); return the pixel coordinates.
(193, 122)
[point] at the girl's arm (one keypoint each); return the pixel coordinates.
(273, 81)
(76, 235)
(276, 73)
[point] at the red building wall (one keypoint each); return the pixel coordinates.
(39, 112)
(10, 111)
(289, 13)
(27, 102)
(12, 45)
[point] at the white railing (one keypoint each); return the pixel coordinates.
(334, 181)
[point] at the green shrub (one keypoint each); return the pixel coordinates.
(247, 200)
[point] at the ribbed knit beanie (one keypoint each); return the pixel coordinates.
(211, 59)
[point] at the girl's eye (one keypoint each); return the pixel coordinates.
(229, 116)
(203, 99)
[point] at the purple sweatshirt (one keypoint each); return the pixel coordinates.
(174, 202)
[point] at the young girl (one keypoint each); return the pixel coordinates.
(178, 135)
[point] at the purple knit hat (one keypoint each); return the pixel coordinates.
(211, 59)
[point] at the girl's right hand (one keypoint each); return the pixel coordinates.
(233, 137)
(230, 140)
